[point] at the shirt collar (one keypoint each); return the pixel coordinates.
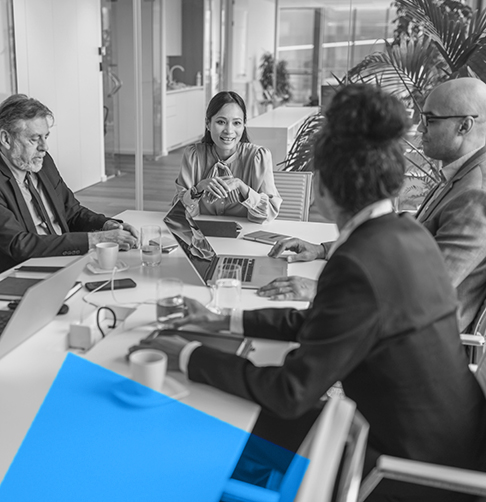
(451, 169)
(375, 210)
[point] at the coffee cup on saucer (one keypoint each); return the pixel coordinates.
(107, 254)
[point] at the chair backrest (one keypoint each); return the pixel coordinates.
(295, 190)
(338, 438)
(333, 453)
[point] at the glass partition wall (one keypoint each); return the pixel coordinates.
(321, 41)
(8, 81)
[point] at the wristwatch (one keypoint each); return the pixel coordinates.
(195, 194)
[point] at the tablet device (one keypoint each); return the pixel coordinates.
(265, 237)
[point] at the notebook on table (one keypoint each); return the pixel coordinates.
(256, 270)
(38, 306)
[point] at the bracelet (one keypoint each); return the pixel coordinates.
(195, 194)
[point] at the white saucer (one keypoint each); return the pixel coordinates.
(94, 268)
(173, 389)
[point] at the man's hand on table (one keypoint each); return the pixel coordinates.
(290, 288)
(201, 316)
(172, 345)
(304, 251)
(124, 234)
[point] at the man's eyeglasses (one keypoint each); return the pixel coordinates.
(426, 117)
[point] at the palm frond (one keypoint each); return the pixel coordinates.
(300, 155)
(456, 40)
(405, 69)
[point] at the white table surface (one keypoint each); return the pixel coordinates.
(27, 372)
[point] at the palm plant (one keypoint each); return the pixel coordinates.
(446, 40)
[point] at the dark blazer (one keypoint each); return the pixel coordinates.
(19, 240)
(383, 323)
(457, 220)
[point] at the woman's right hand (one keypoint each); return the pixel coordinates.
(213, 188)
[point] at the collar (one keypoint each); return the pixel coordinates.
(450, 170)
(375, 210)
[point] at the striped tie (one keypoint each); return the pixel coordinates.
(38, 204)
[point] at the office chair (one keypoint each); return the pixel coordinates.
(295, 189)
(476, 339)
(337, 440)
(427, 474)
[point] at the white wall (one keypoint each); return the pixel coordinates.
(58, 63)
(259, 18)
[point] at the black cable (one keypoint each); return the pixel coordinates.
(98, 319)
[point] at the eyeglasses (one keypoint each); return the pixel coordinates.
(426, 117)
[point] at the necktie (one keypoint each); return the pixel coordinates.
(38, 204)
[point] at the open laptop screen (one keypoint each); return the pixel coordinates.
(191, 239)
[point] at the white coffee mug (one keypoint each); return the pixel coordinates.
(107, 254)
(148, 367)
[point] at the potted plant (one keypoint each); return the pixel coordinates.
(283, 92)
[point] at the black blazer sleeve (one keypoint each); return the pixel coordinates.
(19, 240)
(332, 343)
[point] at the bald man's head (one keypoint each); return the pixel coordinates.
(460, 126)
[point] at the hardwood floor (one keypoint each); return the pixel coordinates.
(118, 193)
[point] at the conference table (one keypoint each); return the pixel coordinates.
(27, 373)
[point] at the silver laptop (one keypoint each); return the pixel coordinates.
(256, 270)
(39, 305)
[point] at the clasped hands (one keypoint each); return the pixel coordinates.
(124, 234)
(222, 187)
(172, 344)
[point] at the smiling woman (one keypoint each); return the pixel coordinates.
(225, 173)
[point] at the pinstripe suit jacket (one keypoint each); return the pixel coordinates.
(457, 220)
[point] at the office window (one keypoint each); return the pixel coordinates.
(323, 42)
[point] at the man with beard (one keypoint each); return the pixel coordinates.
(39, 215)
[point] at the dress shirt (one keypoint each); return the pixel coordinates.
(375, 210)
(19, 176)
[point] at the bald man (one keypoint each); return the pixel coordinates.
(453, 128)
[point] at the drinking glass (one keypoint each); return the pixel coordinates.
(227, 289)
(170, 302)
(150, 248)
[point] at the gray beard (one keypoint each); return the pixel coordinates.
(29, 167)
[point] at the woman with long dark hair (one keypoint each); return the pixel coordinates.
(225, 174)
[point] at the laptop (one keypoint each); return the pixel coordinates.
(39, 305)
(256, 270)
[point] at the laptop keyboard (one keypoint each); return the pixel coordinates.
(247, 265)
(5, 316)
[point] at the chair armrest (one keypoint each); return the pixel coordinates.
(474, 340)
(449, 478)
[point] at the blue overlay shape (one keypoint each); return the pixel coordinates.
(89, 442)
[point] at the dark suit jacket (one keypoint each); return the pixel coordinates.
(457, 221)
(383, 323)
(19, 240)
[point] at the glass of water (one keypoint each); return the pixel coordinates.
(227, 289)
(150, 248)
(170, 302)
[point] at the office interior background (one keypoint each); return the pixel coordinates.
(130, 79)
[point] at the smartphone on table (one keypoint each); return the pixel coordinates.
(118, 284)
